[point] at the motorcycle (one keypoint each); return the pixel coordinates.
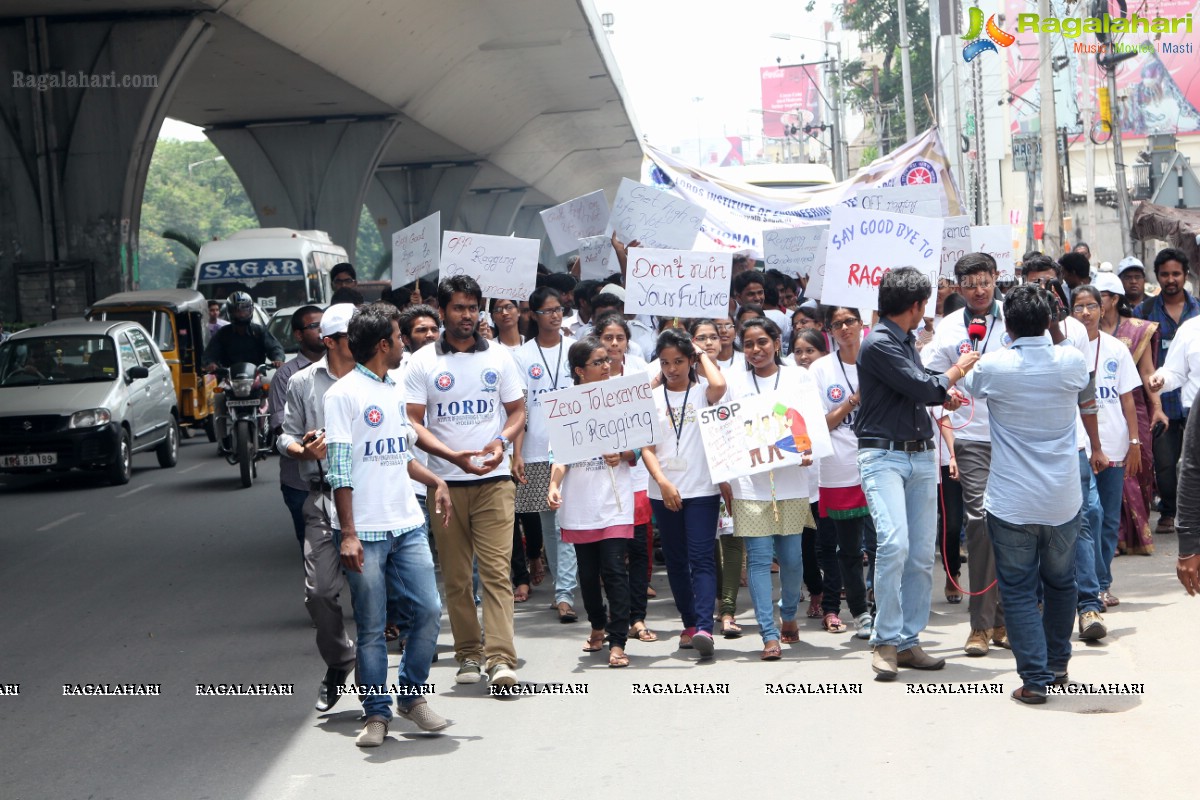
(246, 425)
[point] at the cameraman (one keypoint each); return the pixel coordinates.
(1033, 498)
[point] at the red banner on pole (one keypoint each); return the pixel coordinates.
(790, 96)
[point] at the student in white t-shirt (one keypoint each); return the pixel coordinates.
(1116, 379)
(684, 498)
(380, 527)
(594, 502)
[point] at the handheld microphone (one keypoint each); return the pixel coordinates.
(977, 330)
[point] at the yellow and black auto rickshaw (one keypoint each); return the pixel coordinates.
(175, 319)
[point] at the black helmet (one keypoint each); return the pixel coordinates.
(240, 307)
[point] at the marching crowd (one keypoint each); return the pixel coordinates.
(1037, 422)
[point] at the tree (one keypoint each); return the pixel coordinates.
(878, 21)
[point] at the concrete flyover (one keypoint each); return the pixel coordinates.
(484, 111)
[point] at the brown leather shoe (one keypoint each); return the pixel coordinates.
(883, 661)
(916, 658)
(1000, 637)
(1166, 526)
(977, 642)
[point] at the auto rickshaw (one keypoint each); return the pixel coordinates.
(175, 319)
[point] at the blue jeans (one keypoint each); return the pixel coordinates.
(1110, 485)
(789, 550)
(901, 490)
(1086, 579)
(404, 565)
(1025, 556)
(294, 500)
(560, 556)
(687, 542)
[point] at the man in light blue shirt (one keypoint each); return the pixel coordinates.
(1033, 494)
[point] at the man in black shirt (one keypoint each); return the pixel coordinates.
(240, 340)
(898, 465)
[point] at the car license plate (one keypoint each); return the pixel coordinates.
(239, 403)
(30, 460)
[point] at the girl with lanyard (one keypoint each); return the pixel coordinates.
(594, 501)
(683, 496)
(613, 332)
(543, 366)
(770, 509)
(808, 345)
(730, 554)
(527, 551)
(728, 357)
(845, 517)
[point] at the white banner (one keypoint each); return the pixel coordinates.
(677, 283)
(597, 259)
(921, 199)
(654, 218)
(504, 266)
(735, 214)
(793, 250)
(592, 419)
(863, 245)
(763, 432)
(414, 250)
(576, 219)
(956, 243)
(997, 242)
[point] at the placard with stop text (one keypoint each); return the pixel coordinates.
(567, 223)
(763, 432)
(678, 283)
(864, 245)
(504, 266)
(591, 419)
(415, 250)
(654, 217)
(996, 241)
(793, 250)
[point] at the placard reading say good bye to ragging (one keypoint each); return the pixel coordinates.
(863, 245)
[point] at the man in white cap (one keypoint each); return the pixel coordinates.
(1132, 273)
(303, 439)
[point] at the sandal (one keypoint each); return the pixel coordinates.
(771, 651)
(537, 572)
(594, 642)
(566, 613)
(642, 633)
(650, 591)
(729, 628)
(814, 607)
(953, 595)
(391, 633)
(1109, 600)
(789, 635)
(833, 624)
(521, 593)
(617, 658)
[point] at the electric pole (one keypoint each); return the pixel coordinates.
(1051, 172)
(910, 121)
(1118, 162)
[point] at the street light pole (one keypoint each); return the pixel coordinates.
(910, 121)
(835, 104)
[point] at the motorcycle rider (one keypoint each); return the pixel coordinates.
(240, 340)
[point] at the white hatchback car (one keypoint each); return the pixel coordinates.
(85, 394)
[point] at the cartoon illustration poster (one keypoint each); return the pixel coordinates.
(763, 432)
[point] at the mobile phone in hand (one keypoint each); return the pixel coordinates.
(1157, 430)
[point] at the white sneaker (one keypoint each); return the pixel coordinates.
(863, 625)
(502, 674)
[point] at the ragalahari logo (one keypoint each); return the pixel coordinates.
(994, 32)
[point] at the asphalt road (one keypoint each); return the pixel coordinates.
(182, 578)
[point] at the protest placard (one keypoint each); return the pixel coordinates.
(793, 250)
(414, 250)
(597, 259)
(567, 223)
(504, 266)
(956, 243)
(677, 283)
(592, 419)
(864, 244)
(996, 241)
(816, 275)
(763, 432)
(919, 199)
(654, 217)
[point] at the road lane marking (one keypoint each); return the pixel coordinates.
(60, 521)
(135, 491)
(189, 469)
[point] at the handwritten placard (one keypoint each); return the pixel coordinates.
(592, 419)
(678, 283)
(504, 266)
(816, 276)
(956, 243)
(763, 432)
(996, 241)
(919, 199)
(414, 250)
(793, 250)
(864, 245)
(654, 217)
(567, 223)
(597, 260)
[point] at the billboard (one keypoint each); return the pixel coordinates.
(790, 96)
